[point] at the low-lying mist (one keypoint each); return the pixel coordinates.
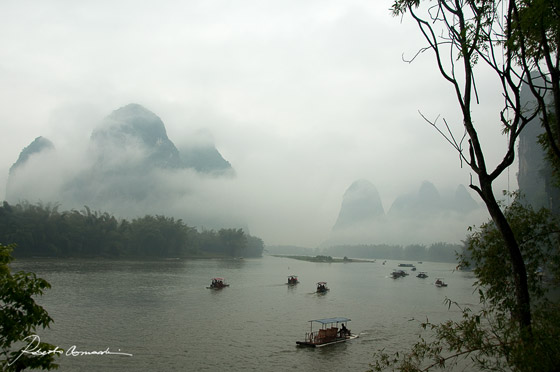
(130, 168)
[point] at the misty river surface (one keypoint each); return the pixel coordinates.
(162, 313)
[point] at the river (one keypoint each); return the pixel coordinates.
(162, 314)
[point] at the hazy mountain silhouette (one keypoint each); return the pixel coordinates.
(422, 217)
(38, 146)
(205, 158)
(23, 183)
(427, 201)
(130, 162)
(126, 132)
(360, 204)
(463, 201)
(535, 176)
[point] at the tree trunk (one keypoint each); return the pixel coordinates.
(523, 310)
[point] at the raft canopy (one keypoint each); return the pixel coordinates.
(331, 320)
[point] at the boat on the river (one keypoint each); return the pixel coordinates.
(293, 280)
(218, 283)
(328, 334)
(398, 274)
(322, 287)
(422, 274)
(440, 283)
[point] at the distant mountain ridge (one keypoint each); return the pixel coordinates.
(39, 145)
(135, 126)
(360, 204)
(129, 160)
(422, 217)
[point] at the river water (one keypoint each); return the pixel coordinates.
(162, 313)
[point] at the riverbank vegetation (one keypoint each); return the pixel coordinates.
(518, 325)
(20, 317)
(436, 252)
(320, 258)
(488, 336)
(44, 231)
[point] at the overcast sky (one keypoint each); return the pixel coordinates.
(301, 97)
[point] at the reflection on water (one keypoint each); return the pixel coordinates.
(162, 313)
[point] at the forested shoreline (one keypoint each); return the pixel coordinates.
(40, 230)
(436, 252)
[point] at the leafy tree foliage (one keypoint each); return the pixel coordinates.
(255, 246)
(234, 240)
(537, 233)
(518, 41)
(552, 159)
(489, 337)
(20, 316)
(42, 230)
(415, 252)
(534, 40)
